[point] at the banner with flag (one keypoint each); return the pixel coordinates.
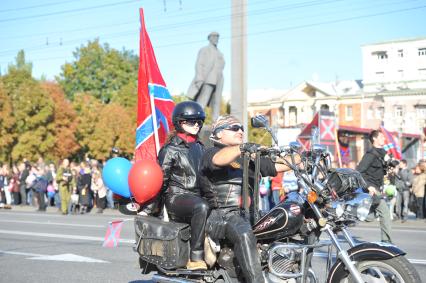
(155, 104)
(345, 151)
(305, 135)
(391, 146)
(112, 236)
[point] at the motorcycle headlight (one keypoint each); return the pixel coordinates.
(339, 210)
(360, 204)
(364, 208)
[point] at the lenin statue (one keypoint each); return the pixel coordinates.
(206, 87)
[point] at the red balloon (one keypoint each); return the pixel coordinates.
(145, 180)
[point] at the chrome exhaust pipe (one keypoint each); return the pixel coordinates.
(163, 279)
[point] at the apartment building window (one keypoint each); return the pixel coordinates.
(325, 107)
(422, 73)
(349, 113)
(400, 53)
(381, 55)
(398, 111)
(400, 74)
(421, 111)
(380, 75)
(422, 51)
(292, 115)
(380, 112)
(370, 113)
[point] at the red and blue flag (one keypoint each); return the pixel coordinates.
(154, 102)
(112, 236)
(391, 146)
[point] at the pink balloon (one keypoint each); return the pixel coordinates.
(145, 180)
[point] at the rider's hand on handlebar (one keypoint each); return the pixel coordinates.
(372, 191)
(249, 147)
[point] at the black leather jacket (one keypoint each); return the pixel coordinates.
(371, 167)
(221, 186)
(180, 162)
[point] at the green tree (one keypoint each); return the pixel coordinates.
(98, 70)
(127, 95)
(32, 110)
(101, 127)
(7, 125)
(88, 110)
(21, 64)
(259, 136)
(115, 128)
(64, 126)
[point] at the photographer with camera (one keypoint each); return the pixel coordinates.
(374, 166)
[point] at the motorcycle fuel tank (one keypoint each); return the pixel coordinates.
(283, 220)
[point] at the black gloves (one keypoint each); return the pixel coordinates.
(249, 147)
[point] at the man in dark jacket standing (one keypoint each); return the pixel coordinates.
(373, 170)
(403, 185)
(24, 169)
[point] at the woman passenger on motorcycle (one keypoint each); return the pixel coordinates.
(180, 159)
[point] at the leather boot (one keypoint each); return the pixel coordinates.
(196, 265)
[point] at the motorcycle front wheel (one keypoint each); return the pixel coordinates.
(395, 270)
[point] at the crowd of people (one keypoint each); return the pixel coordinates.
(202, 187)
(71, 187)
(404, 189)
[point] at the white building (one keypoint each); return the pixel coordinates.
(392, 94)
(394, 65)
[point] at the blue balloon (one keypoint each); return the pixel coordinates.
(115, 175)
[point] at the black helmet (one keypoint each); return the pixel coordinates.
(187, 110)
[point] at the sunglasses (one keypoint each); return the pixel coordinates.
(192, 123)
(235, 128)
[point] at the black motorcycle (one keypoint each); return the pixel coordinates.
(327, 202)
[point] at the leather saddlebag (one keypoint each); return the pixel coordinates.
(162, 243)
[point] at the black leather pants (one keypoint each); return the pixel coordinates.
(239, 232)
(194, 210)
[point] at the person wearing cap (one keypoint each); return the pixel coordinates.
(180, 158)
(206, 87)
(221, 177)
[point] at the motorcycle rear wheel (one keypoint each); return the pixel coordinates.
(395, 270)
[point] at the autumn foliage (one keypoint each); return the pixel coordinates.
(37, 118)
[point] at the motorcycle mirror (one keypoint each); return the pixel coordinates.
(259, 121)
(295, 146)
(318, 147)
(315, 135)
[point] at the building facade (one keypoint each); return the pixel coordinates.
(392, 94)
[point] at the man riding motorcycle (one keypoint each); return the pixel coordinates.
(221, 176)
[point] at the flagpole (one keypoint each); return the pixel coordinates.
(154, 122)
(151, 94)
(336, 141)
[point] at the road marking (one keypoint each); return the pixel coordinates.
(39, 215)
(53, 223)
(393, 229)
(73, 237)
(60, 257)
(412, 260)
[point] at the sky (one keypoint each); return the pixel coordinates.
(288, 41)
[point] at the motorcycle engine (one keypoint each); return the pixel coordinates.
(285, 260)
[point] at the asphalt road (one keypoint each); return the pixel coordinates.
(50, 247)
